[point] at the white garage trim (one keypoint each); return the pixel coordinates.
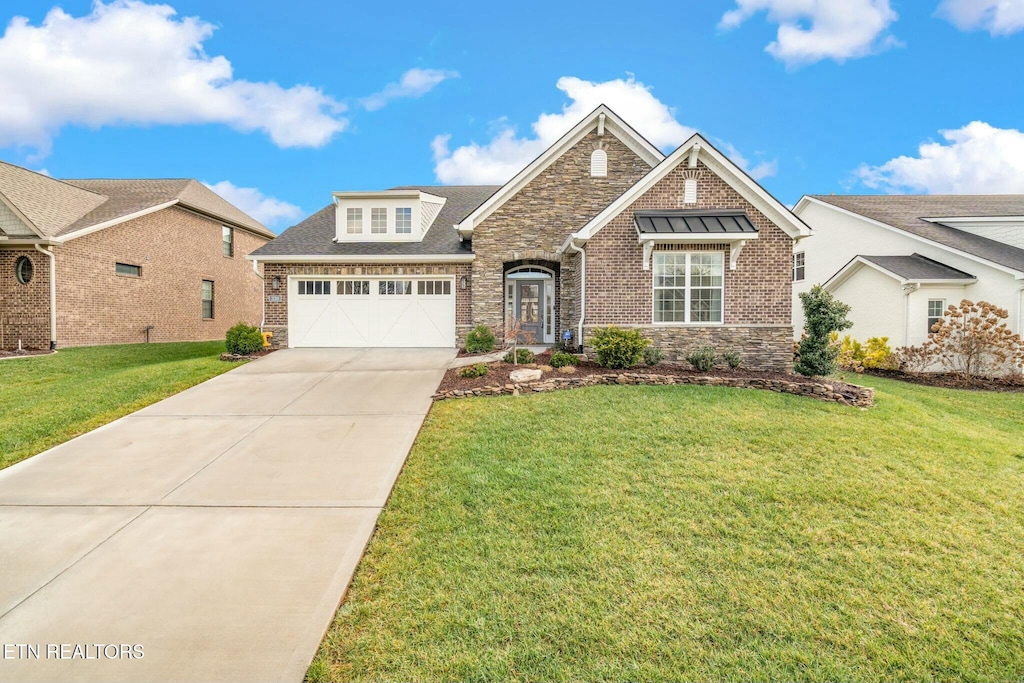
(368, 316)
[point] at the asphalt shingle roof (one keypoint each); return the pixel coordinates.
(315, 235)
(907, 211)
(918, 267)
(60, 207)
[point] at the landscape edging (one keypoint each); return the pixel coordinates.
(862, 397)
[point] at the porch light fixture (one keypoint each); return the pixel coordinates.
(276, 282)
(462, 282)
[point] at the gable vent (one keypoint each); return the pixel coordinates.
(599, 164)
(690, 191)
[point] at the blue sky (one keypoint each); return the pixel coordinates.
(277, 104)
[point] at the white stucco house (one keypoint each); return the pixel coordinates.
(899, 260)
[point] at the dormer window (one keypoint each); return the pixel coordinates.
(354, 221)
(403, 220)
(599, 164)
(379, 221)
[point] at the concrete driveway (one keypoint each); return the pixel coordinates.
(217, 529)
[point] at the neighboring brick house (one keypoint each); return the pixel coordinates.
(601, 229)
(88, 262)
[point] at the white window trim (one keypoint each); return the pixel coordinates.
(349, 228)
(688, 288)
(400, 230)
(929, 316)
(374, 230)
(803, 266)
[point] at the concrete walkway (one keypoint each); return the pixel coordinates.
(217, 529)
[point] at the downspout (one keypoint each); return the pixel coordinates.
(907, 291)
(583, 291)
(1020, 311)
(263, 293)
(53, 294)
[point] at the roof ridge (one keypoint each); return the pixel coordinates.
(62, 181)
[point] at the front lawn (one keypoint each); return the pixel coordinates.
(697, 533)
(47, 400)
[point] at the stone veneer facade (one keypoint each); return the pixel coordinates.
(529, 228)
(176, 250)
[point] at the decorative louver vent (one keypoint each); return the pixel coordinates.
(599, 164)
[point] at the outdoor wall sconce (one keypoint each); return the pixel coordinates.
(276, 282)
(462, 282)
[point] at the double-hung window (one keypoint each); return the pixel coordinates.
(207, 299)
(936, 307)
(403, 220)
(227, 238)
(378, 221)
(799, 266)
(354, 221)
(688, 286)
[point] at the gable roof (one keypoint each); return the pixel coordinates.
(44, 203)
(913, 269)
(697, 148)
(909, 213)
(602, 117)
(314, 237)
(65, 209)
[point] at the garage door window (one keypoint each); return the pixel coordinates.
(354, 288)
(395, 287)
(434, 287)
(313, 287)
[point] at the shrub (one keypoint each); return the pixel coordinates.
(562, 359)
(972, 340)
(702, 359)
(874, 354)
(732, 359)
(653, 355)
(475, 370)
(480, 340)
(243, 339)
(823, 315)
(618, 348)
(521, 357)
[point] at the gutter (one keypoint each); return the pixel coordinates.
(583, 290)
(53, 295)
(907, 291)
(263, 294)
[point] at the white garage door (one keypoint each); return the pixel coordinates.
(394, 311)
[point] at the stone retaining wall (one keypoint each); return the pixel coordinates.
(852, 396)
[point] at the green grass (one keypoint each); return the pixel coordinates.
(697, 533)
(47, 400)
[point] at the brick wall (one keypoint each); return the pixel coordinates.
(24, 309)
(757, 293)
(176, 250)
(277, 311)
(533, 224)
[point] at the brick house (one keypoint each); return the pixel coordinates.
(87, 262)
(601, 229)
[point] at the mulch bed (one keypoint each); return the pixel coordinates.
(498, 373)
(944, 380)
(252, 356)
(24, 352)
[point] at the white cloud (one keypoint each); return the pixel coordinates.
(415, 82)
(131, 63)
(975, 159)
(507, 153)
(998, 17)
(267, 210)
(813, 30)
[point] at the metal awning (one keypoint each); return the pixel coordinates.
(693, 222)
(693, 226)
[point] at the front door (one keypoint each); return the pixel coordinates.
(529, 309)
